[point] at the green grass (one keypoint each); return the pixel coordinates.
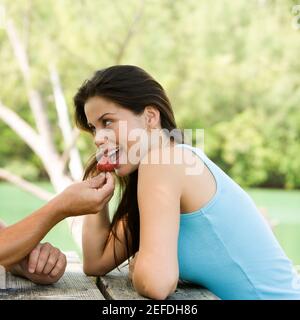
(282, 208)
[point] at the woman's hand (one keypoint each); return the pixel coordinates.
(131, 266)
(44, 265)
(87, 197)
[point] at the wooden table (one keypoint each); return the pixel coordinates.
(74, 285)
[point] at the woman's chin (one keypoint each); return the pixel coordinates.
(125, 170)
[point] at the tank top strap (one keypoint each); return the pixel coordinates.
(217, 173)
(200, 153)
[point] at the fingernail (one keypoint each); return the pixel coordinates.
(31, 270)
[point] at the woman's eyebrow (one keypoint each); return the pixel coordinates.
(104, 114)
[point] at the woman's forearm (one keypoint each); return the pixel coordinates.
(95, 232)
(18, 240)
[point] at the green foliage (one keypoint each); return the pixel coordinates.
(230, 67)
(242, 148)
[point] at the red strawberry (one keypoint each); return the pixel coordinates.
(105, 165)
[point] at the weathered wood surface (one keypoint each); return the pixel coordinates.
(73, 285)
(117, 286)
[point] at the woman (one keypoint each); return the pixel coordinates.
(20, 250)
(201, 228)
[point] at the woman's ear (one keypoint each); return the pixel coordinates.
(152, 117)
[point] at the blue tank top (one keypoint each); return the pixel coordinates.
(228, 247)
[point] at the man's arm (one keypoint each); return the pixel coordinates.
(44, 265)
(87, 197)
(18, 240)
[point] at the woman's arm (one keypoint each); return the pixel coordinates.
(95, 231)
(97, 262)
(98, 243)
(156, 272)
(86, 197)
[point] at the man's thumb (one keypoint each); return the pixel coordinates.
(98, 181)
(109, 185)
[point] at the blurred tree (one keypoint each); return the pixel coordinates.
(229, 67)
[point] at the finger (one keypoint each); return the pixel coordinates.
(98, 181)
(108, 187)
(107, 198)
(52, 260)
(100, 202)
(43, 257)
(105, 201)
(60, 266)
(33, 258)
(109, 179)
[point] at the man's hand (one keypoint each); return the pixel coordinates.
(87, 197)
(44, 265)
(82, 198)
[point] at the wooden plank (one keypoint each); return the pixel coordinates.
(74, 285)
(2, 278)
(117, 286)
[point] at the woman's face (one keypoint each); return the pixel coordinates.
(116, 127)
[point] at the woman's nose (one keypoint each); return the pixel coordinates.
(100, 141)
(103, 136)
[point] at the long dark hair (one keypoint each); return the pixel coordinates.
(132, 88)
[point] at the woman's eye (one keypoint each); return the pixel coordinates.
(93, 129)
(106, 122)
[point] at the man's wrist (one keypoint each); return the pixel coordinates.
(57, 207)
(15, 269)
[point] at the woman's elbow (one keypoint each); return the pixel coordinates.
(93, 270)
(157, 289)
(160, 291)
(88, 271)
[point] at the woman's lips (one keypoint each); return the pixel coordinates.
(107, 152)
